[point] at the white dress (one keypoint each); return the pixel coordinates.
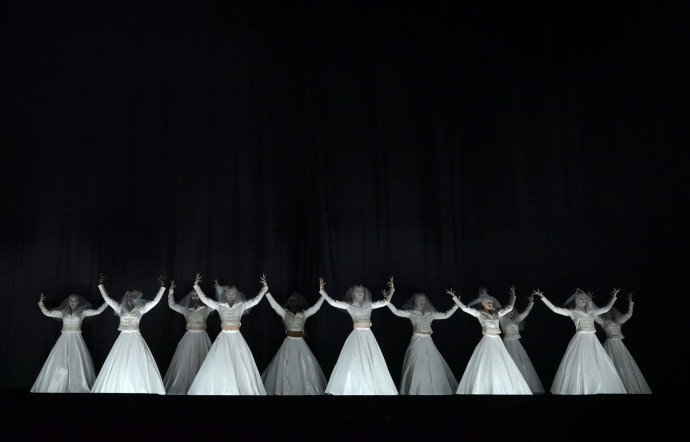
(361, 368)
(627, 368)
(294, 370)
(585, 367)
(491, 369)
(191, 350)
(130, 366)
(229, 367)
(425, 371)
(511, 339)
(69, 367)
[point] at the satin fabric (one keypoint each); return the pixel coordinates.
(69, 367)
(294, 370)
(425, 371)
(189, 355)
(524, 363)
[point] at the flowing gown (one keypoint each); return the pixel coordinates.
(627, 368)
(191, 350)
(511, 339)
(294, 369)
(361, 368)
(69, 367)
(229, 367)
(491, 369)
(585, 367)
(425, 371)
(130, 366)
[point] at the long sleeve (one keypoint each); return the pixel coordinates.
(397, 312)
(110, 301)
(97, 311)
(49, 313)
(471, 311)
(446, 314)
(607, 307)
(559, 310)
(385, 301)
(151, 304)
(624, 318)
(508, 308)
(525, 312)
(205, 299)
(314, 308)
(337, 304)
(280, 310)
(255, 300)
(173, 305)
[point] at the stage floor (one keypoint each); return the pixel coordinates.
(129, 417)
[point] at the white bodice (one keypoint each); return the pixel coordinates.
(230, 315)
(584, 321)
(294, 321)
(510, 324)
(71, 323)
(360, 314)
(195, 317)
(613, 328)
(421, 321)
(129, 319)
(488, 321)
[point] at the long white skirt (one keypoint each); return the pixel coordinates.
(586, 368)
(519, 355)
(189, 355)
(425, 372)
(229, 368)
(626, 367)
(129, 368)
(491, 370)
(361, 368)
(68, 369)
(294, 370)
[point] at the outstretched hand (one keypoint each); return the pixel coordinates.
(390, 283)
(172, 284)
(538, 293)
(452, 293)
(512, 291)
(161, 279)
(322, 284)
(101, 278)
(615, 292)
(630, 297)
(42, 298)
(263, 280)
(531, 297)
(197, 279)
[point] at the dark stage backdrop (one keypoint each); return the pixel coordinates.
(448, 147)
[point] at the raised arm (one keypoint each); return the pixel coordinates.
(95, 311)
(280, 310)
(398, 312)
(314, 308)
(386, 297)
(456, 299)
(624, 318)
(527, 309)
(255, 300)
(511, 304)
(337, 304)
(49, 313)
(205, 299)
(559, 310)
(447, 314)
(608, 306)
(172, 304)
(108, 300)
(152, 303)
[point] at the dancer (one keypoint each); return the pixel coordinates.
(192, 348)
(229, 367)
(294, 370)
(130, 366)
(627, 368)
(361, 368)
(69, 367)
(511, 324)
(491, 369)
(424, 372)
(585, 367)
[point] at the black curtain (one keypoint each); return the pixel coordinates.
(448, 147)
